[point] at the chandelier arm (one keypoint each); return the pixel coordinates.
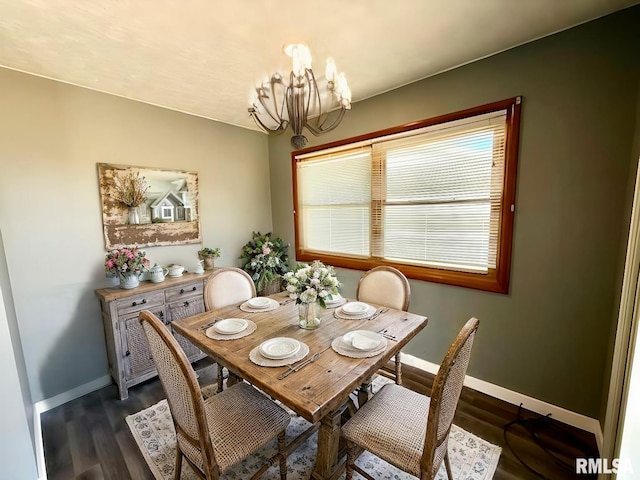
(272, 112)
(279, 115)
(319, 128)
(281, 127)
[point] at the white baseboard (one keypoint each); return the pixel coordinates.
(543, 408)
(53, 402)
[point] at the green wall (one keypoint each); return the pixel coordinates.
(549, 337)
(52, 135)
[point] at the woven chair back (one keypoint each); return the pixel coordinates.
(385, 286)
(180, 386)
(228, 286)
(445, 394)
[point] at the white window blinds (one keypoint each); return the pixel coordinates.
(335, 202)
(429, 197)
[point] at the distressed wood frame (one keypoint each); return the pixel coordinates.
(117, 231)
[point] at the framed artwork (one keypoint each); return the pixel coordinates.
(144, 206)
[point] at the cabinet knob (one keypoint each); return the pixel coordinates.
(194, 288)
(127, 353)
(181, 291)
(186, 304)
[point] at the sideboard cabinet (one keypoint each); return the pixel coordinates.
(129, 357)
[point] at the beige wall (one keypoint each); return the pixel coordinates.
(51, 137)
(548, 337)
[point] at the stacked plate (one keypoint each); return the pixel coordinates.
(335, 301)
(363, 340)
(259, 302)
(279, 348)
(230, 326)
(355, 310)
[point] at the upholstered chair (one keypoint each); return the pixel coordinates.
(387, 287)
(227, 286)
(407, 429)
(216, 433)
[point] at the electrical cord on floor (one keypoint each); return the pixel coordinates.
(538, 424)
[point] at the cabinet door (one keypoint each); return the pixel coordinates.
(182, 309)
(137, 357)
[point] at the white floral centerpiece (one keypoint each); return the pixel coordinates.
(309, 285)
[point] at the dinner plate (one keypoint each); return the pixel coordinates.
(354, 308)
(363, 339)
(229, 326)
(280, 347)
(259, 302)
(336, 299)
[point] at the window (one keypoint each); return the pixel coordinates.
(434, 199)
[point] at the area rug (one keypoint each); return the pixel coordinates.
(472, 458)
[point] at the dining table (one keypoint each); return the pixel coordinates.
(319, 386)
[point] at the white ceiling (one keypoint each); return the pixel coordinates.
(203, 57)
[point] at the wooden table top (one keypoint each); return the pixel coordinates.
(323, 385)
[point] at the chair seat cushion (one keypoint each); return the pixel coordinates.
(392, 426)
(240, 420)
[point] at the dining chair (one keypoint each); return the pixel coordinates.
(227, 286)
(216, 433)
(407, 429)
(387, 287)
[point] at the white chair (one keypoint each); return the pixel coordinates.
(407, 429)
(387, 287)
(227, 286)
(216, 433)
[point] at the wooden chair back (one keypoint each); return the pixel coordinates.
(445, 394)
(183, 393)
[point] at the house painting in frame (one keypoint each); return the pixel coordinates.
(169, 215)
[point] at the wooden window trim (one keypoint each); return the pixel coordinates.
(495, 280)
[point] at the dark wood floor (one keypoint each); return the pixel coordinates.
(88, 438)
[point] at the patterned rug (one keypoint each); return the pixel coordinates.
(472, 458)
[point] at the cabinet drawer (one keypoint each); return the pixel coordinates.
(184, 291)
(186, 308)
(140, 302)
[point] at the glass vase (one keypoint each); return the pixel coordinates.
(309, 315)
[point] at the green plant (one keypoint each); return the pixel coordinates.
(264, 258)
(205, 252)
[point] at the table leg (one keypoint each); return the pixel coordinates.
(364, 391)
(328, 445)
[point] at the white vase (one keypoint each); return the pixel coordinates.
(129, 281)
(113, 279)
(309, 315)
(134, 216)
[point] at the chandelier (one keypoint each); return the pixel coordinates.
(302, 103)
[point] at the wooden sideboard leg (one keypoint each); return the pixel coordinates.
(123, 390)
(328, 443)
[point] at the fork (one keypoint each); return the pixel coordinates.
(378, 313)
(207, 325)
(386, 335)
